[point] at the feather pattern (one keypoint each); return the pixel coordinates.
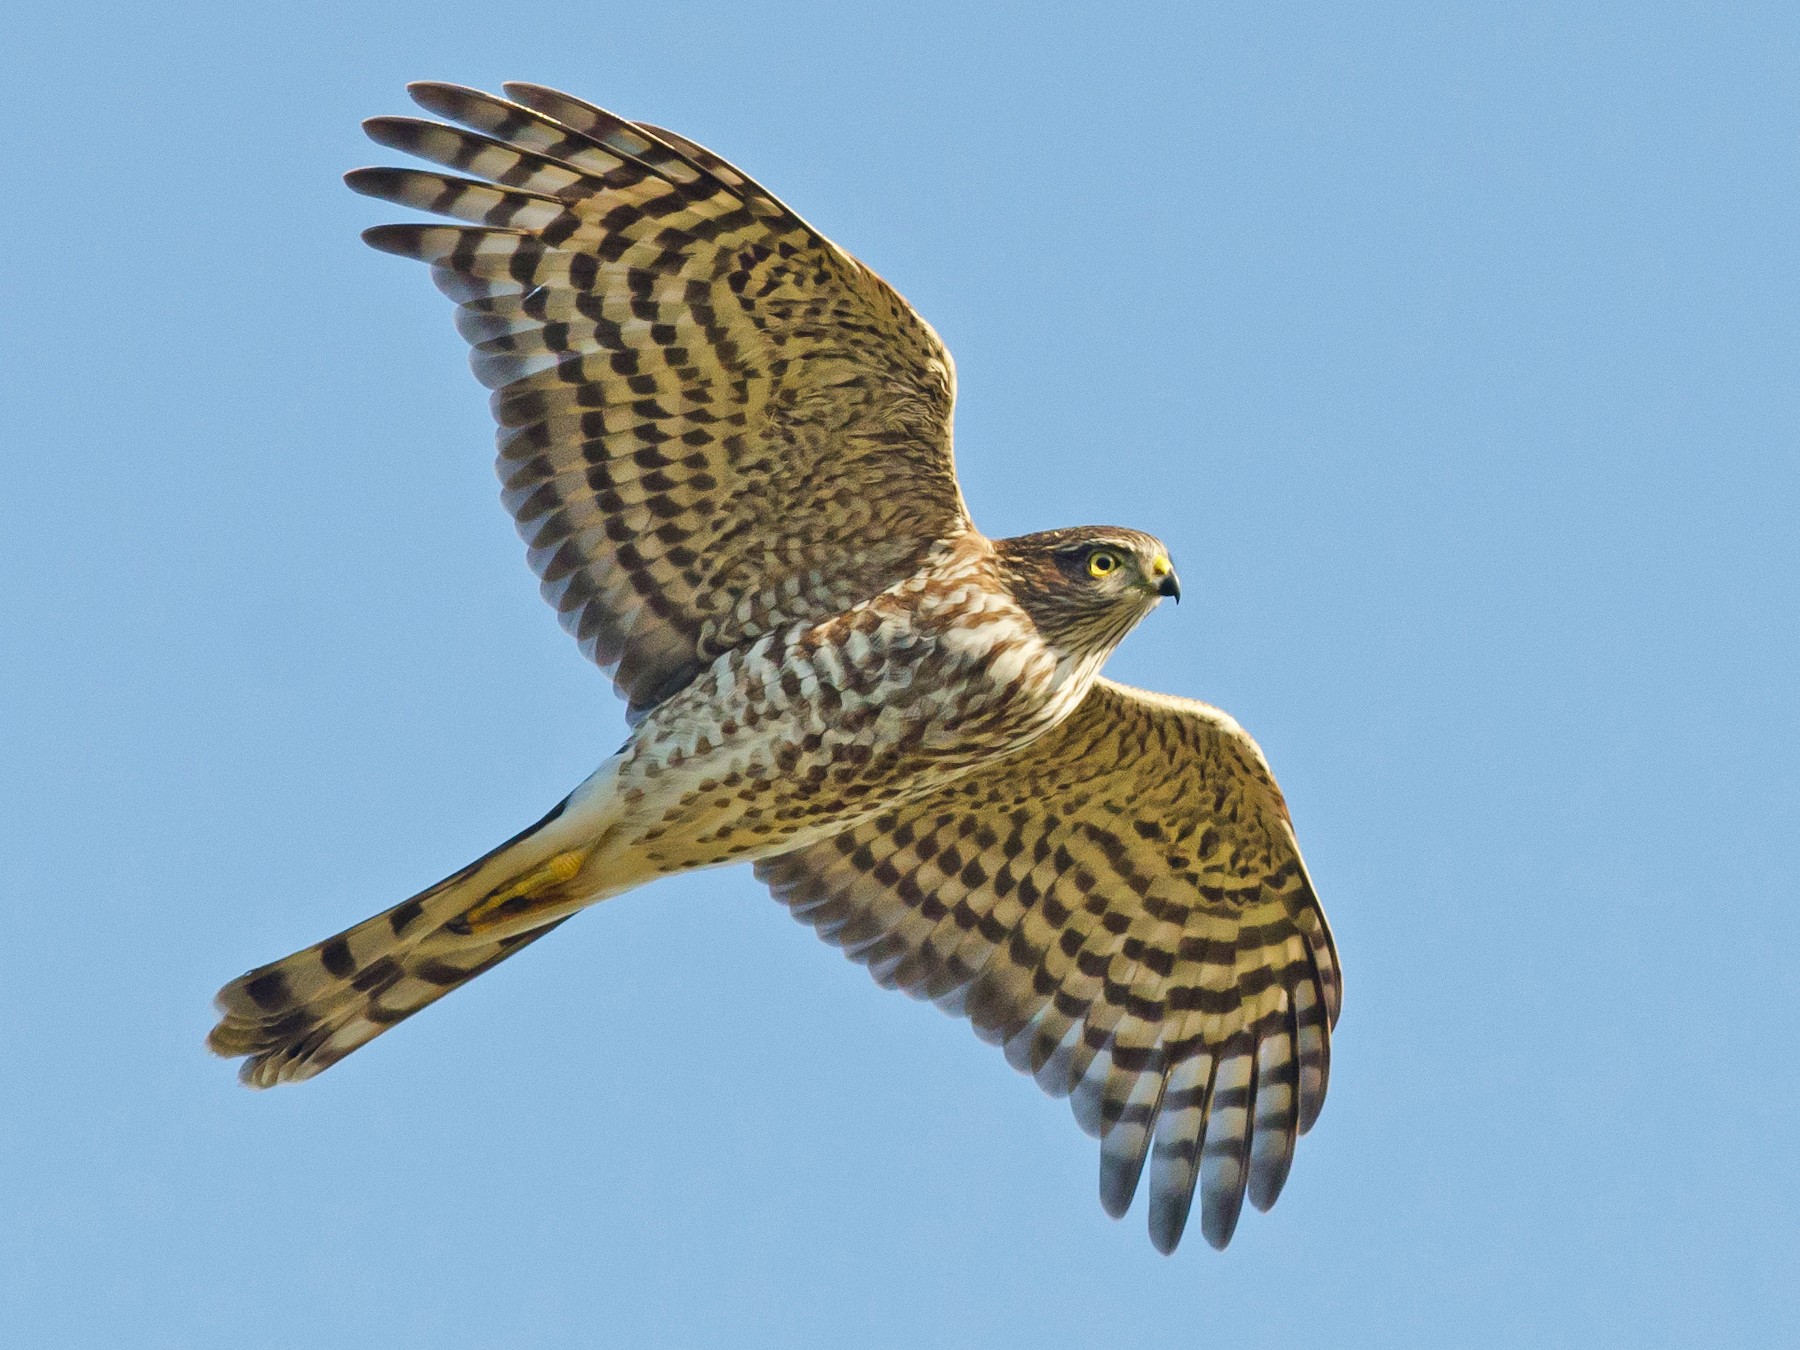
(726, 444)
(1121, 904)
(713, 421)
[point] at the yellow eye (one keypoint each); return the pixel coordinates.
(1102, 561)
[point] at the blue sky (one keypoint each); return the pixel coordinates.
(1452, 349)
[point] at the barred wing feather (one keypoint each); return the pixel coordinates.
(713, 421)
(1121, 905)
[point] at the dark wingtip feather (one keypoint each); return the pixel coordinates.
(1225, 1155)
(396, 133)
(1268, 1178)
(1119, 1175)
(400, 240)
(1222, 1183)
(1168, 1218)
(373, 181)
(428, 94)
(1219, 1222)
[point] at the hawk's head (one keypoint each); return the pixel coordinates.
(1086, 588)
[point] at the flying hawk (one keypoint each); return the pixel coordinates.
(727, 445)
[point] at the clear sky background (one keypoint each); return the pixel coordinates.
(1453, 349)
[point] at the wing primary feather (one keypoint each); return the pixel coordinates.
(1277, 1110)
(1312, 1045)
(1224, 1160)
(609, 129)
(515, 124)
(1180, 1134)
(467, 199)
(1125, 1141)
(471, 152)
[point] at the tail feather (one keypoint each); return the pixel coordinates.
(296, 1017)
(292, 1040)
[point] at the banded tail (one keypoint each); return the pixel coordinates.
(298, 1016)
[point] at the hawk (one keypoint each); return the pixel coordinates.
(727, 445)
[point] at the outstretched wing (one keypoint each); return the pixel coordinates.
(713, 421)
(1123, 907)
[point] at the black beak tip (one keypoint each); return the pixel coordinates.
(1171, 587)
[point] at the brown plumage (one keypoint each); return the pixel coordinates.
(727, 445)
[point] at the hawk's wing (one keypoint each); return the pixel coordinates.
(713, 421)
(1122, 906)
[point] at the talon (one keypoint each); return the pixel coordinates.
(539, 889)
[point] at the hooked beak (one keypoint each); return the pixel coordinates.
(1162, 572)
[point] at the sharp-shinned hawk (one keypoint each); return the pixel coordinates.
(727, 445)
